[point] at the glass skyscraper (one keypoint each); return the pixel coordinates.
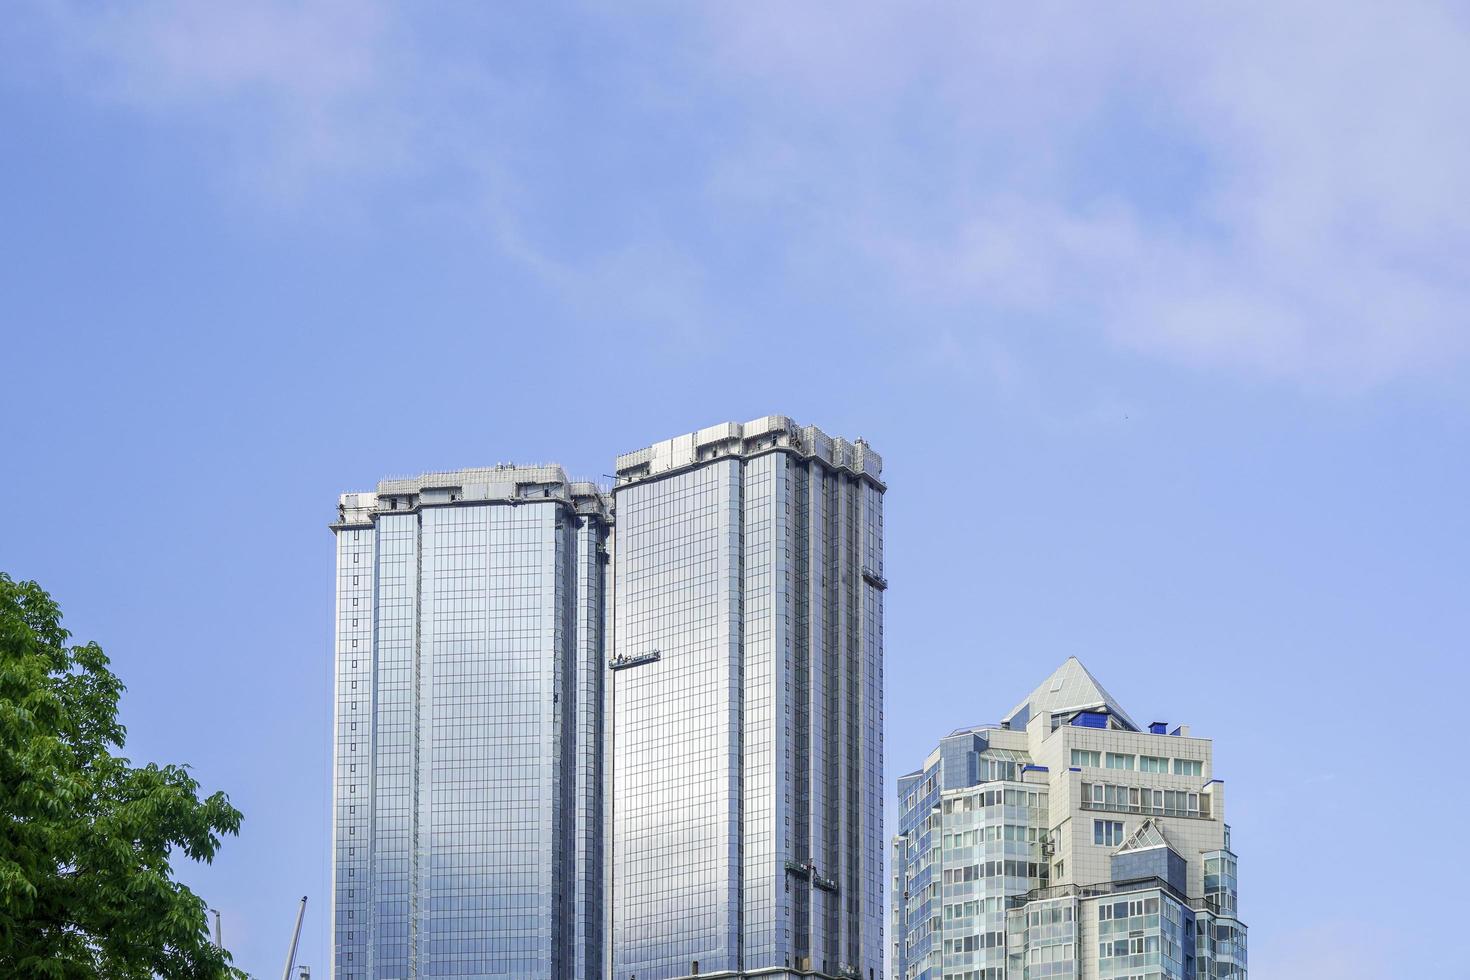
(468, 776)
(634, 735)
(1065, 842)
(745, 703)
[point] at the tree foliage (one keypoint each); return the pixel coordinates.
(86, 889)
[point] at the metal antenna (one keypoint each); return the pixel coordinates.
(295, 938)
(219, 942)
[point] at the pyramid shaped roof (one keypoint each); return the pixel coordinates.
(1148, 835)
(1069, 688)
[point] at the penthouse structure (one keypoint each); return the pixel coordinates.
(1066, 841)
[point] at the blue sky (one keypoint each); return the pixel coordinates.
(1158, 317)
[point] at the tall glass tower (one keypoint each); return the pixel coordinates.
(746, 707)
(468, 782)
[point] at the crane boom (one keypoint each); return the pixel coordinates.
(295, 938)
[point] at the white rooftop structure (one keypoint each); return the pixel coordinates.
(1148, 835)
(746, 439)
(1069, 689)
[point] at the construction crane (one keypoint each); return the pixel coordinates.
(295, 938)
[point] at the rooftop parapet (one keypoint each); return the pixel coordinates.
(486, 484)
(738, 439)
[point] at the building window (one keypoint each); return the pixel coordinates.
(1118, 761)
(1188, 767)
(1082, 757)
(1153, 763)
(1107, 833)
(1001, 770)
(1135, 799)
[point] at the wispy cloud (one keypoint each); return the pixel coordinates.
(337, 110)
(289, 93)
(1278, 191)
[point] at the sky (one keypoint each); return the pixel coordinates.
(1157, 314)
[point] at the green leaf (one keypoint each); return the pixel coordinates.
(86, 889)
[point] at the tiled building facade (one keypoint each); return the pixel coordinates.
(1065, 842)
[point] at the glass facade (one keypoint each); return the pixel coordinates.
(1143, 933)
(971, 838)
(676, 769)
(1042, 939)
(468, 783)
(746, 707)
(570, 744)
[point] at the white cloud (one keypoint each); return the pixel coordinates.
(289, 93)
(1321, 227)
(1278, 190)
(321, 102)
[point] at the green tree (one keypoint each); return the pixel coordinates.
(86, 889)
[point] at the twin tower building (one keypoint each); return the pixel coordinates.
(638, 735)
(635, 734)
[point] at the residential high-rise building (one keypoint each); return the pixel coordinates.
(1065, 842)
(468, 777)
(746, 707)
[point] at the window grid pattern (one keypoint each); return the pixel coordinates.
(747, 575)
(868, 752)
(766, 630)
(1042, 938)
(395, 666)
(494, 629)
(465, 848)
(588, 762)
(675, 897)
(352, 752)
(958, 863)
(826, 770)
(1144, 934)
